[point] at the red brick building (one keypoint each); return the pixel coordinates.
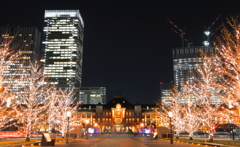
(118, 115)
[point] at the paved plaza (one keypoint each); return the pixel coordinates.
(121, 142)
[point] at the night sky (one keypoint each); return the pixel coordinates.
(127, 43)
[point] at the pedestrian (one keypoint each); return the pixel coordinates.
(53, 138)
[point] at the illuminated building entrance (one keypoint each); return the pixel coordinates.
(118, 115)
(118, 129)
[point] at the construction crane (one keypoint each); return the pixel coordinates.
(188, 41)
(208, 33)
(181, 33)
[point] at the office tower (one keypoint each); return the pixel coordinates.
(26, 40)
(92, 95)
(185, 61)
(63, 47)
(166, 89)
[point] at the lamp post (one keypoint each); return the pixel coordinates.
(68, 116)
(142, 125)
(233, 132)
(95, 125)
(170, 114)
(86, 127)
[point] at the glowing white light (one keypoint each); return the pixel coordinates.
(69, 114)
(8, 102)
(87, 121)
(230, 105)
(147, 131)
(206, 43)
(207, 33)
(90, 130)
(64, 13)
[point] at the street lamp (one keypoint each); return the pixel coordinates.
(86, 125)
(233, 131)
(170, 114)
(96, 129)
(142, 125)
(68, 116)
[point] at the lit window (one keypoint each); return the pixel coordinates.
(20, 34)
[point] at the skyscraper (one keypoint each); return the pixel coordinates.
(185, 61)
(63, 47)
(26, 41)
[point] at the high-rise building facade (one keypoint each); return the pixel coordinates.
(166, 89)
(92, 95)
(26, 41)
(185, 61)
(63, 47)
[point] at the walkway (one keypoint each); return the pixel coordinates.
(120, 142)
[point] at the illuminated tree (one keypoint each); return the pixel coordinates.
(53, 108)
(66, 103)
(160, 117)
(185, 110)
(191, 118)
(176, 107)
(228, 47)
(9, 55)
(207, 93)
(213, 87)
(198, 101)
(8, 113)
(9, 73)
(33, 99)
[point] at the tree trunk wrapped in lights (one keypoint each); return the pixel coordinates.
(66, 103)
(186, 117)
(53, 108)
(177, 108)
(8, 113)
(33, 100)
